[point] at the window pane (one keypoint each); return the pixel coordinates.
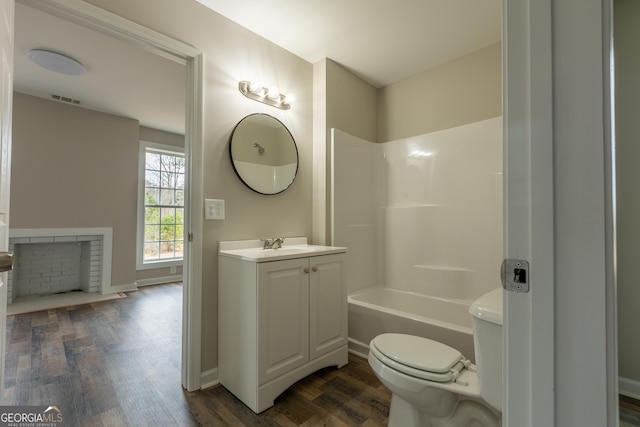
(151, 233)
(180, 180)
(167, 249)
(152, 179)
(179, 249)
(166, 179)
(151, 196)
(164, 186)
(151, 251)
(167, 197)
(152, 216)
(152, 161)
(180, 164)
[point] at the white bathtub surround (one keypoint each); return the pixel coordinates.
(56, 261)
(428, 216)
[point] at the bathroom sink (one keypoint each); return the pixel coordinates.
(294, 247)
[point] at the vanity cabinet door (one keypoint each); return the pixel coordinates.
(327, 304)
(283, 317)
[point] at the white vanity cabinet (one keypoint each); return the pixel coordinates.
(280, 318)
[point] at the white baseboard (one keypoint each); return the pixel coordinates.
(358, 348)
(120, 288)
(209, 378)
(629, 388)
(159, 280)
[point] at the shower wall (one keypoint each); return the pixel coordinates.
(421, 214)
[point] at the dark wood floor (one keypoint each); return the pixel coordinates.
(117, 363)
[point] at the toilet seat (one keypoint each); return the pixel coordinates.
(419, 357)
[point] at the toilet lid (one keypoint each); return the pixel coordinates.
(417, 356)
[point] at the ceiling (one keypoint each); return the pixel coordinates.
(381, 41)
(121, 79)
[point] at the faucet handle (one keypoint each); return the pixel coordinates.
(267, 243)
(277, 242)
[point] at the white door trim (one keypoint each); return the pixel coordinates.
(116, 26)
(560, 339)
(528, 175)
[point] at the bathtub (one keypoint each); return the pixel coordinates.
(378, 310)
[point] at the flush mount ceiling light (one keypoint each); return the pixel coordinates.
(257, 92)
(56, 61)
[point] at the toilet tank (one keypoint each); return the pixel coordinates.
(486, 319)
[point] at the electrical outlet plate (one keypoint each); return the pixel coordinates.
(213, 209)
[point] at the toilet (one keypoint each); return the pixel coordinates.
(433, 384)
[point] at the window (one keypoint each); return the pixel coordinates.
(161, 212)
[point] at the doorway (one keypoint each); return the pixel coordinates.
(122, 29)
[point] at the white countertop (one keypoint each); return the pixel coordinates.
(293, 247)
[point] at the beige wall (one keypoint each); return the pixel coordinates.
(83, 165)
(462, 91)
(232, 54)
(73, 167)
(351, 102)
(342, 101)
(627, 77)
(161, 137)
(338, 99)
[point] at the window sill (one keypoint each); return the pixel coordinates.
(159, 264)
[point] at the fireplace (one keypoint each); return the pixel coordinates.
(54, 261)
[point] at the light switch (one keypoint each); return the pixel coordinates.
(213, 209)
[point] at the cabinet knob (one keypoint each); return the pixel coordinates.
(315, 268)
(306, 270)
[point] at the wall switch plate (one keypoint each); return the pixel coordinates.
(213, 209)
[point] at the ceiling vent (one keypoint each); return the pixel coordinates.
(66, 99)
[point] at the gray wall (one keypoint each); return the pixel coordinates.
(232, 54)
(73, 167)
(627, 108)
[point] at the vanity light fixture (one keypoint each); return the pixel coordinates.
(257, 92)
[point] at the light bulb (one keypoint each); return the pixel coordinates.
(255, 87)
(289, 98)
(273, 93)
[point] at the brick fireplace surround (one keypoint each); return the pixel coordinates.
(57, 260)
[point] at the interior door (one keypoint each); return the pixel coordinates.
(6, 97)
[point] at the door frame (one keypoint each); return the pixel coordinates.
(560, 343)
(113, 25)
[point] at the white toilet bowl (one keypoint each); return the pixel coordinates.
(451, 397)
(433, 385)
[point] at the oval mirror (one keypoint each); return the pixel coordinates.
(263, 154)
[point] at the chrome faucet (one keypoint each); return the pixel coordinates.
(273, 243)
(277, 243)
